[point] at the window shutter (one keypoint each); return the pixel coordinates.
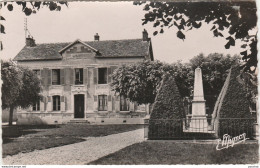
(112, 70)
(95, 98)
(49, 103)
(131, 106)
(117, 103)
(48, 79)
(85, 74)
(62, 76)
(62, 100)
(95, 75)
(109, 104)
(67, 76)
(42, 104)
(89, 77)
(72, 82)
(95, 103)
(109, 98)
(109, 75)
(43, 76)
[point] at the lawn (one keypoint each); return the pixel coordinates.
(24, 139)
(171, 153)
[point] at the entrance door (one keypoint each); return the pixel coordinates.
(79, 106)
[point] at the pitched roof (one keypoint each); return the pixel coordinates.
(109, 48)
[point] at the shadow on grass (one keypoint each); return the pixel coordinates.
(17, 139)
(185, 136)
(9, 133)
(172, 153)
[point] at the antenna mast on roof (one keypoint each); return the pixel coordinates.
(26, 29)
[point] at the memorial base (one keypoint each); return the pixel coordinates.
(198, 124)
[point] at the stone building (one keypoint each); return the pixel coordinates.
(75, 80)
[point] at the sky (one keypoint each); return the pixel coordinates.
(112, 21)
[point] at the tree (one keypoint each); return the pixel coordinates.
(140, 82)
(238, 18)
(21, 87)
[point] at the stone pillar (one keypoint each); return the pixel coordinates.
(198, 120)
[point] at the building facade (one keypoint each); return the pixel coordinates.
(75, 80)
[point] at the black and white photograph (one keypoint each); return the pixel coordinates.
(129, 83)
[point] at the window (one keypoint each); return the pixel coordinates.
(102, 75)
(102, 103)
(56, 76)
(78, 76)
(37, 72)
(124, 104)
(56, 103)
(36, 106)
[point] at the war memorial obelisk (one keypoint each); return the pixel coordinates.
(198, 119)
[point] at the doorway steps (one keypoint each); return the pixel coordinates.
(74, 121)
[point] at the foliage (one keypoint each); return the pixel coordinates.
(21, 87)
(168, 105)
(139, 82)
(233, 104)
(214, 68)
(12, 80)
(238, 18)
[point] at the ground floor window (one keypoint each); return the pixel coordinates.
(124, 103)
(56, 103)
(102, 103)
(36, 106)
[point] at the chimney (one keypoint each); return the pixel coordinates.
(96, 37)
(145, 36)
(30, 42)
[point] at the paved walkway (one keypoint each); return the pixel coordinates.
(78, 153)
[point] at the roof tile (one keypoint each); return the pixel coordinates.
(109, 48)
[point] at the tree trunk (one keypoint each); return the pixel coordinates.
(11, 115)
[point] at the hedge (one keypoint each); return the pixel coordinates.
(231, 113)
(167, 112)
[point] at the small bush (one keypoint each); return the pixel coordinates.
(167, 113)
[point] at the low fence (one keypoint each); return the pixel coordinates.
(198, 128)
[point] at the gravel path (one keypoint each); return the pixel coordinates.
(79, 153)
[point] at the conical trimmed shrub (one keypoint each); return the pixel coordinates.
(167, 113)
(231, 113)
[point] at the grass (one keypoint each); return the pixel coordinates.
(24, 139)
(172, 153)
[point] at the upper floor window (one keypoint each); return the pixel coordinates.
(102, 103)
(36, 106)
(56, 103)
(37, 72)
(102, 75)
(56, 76)
(78, 76)
(124, 103)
